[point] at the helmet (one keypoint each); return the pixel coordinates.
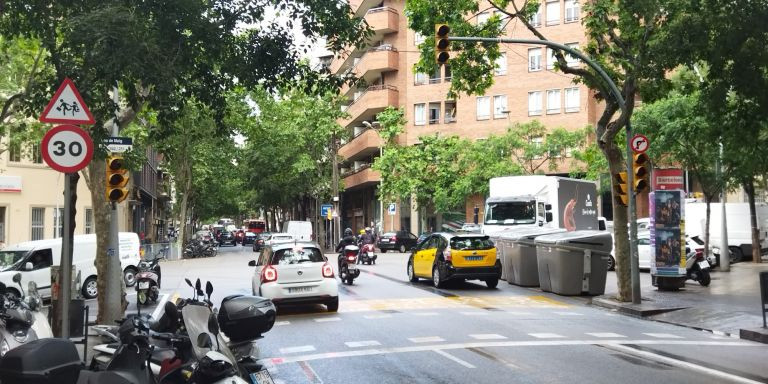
(368, 229)
(348, 232)
(362, 231)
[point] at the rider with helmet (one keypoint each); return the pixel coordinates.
(348, 239)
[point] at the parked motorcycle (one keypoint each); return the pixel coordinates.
(367, 254)
(20, 318)
(199, 248)
(697, 267)
(348, 271)
(148, 279)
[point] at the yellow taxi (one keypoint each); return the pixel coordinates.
(449, 256)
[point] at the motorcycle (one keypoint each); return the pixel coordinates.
(199, 248)
(367, 254)
(348, 271)
(148, 279)
(21, 319)
(697, 268)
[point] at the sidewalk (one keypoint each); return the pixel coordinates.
(730, 306)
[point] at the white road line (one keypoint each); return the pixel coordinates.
(327, 319)
(358, 344)
(160, 306)
(279, 323)
(474, 313)
(425, 313)
(454, 358)
(299, 349)
(381, 316)
(488, 336)
(683, 364)
(606, 335)
(663, 335)
(546, 335)
(569, 314)
(518, 313)
(428, 339)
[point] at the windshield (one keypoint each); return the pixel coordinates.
(297, 255)
(8, 259)
(517, 212)
(471, 243)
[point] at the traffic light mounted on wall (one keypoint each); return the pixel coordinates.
(640, 172)
(442, 44)
(117, 179)
(621, 191)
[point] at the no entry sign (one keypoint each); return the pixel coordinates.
(67, 148)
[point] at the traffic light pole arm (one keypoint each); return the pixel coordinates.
(635, 267)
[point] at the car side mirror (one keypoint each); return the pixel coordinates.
(549, 216)
(252, 263)
(28, 266)
(204, 341)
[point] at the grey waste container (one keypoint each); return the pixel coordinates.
(519, 260)
(572, 263)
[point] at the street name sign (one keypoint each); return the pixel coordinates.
(67, 107)
(67, 148)
(118, 144)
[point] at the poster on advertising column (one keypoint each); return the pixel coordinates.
(667, 232)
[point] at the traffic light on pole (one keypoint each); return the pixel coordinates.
(442, 44)
(640, 172)
(117, 179)
(620, 190)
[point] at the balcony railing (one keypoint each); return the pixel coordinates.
(373, 100)
(366, 143)
(362, 176)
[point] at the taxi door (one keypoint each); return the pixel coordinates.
(426, 257)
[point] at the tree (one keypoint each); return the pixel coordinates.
(533, 146)
(623, 39)
(165, 55)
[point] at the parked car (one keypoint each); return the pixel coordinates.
(227, 237)
(261, 239)
(204, 236)
(249, 238)
(295, 273)
(448, 256)
(279, 238)
(401, 241)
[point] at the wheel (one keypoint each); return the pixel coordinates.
(437, 280)
(704, 278)
(129, 276)
(492, 283)
(737, 254)
(402, 248)
(411, 274)
(141, 298)
(611, 263)
(333, 305)
(383, 251)
(90, 288)
(350, 280)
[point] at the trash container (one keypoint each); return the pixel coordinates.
(519, 260)
(572, 263)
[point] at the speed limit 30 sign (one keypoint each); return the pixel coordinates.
(67, 148)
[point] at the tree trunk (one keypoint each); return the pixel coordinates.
(184, 208)
(749, 188)
(620, 219)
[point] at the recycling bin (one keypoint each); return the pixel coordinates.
(519, 259)
(574, 263)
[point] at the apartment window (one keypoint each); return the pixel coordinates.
(553, 101)
(88, 220)
(418, 38)
(501, 65)
(434, 113)
(534, 103)
(419, 114)
(537, 142)
(535, 19)
(450, 112)
(14, 152)
(572, 61)
(572, 99)
(38, 221)
(483, 17)
(571, 10)
(534, 59)
(420, 79)
(483, 107)
(435, 77)
(553, 12)
(447, 72)
(37, 155)
(500, 110)
(551, 59)
(58, 222)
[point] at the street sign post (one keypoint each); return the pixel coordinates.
(325, 210)
(640, 143)
(392, 209)
(118, 144)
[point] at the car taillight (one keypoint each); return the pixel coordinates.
(268, 274)
(327, 270)
(393, 239)
(447, 255)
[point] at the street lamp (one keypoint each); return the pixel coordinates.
(381, 152)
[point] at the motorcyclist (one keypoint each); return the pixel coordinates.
(365, 238)
(348, 239)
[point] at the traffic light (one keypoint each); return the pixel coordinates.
(620, 191)
(640, 172)
(117, 179)
(441, 43)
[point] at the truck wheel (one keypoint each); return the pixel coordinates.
(129, 276)
(90, 288)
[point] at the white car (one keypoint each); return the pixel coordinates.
(643, 251)
(295, 273)
(276, 238)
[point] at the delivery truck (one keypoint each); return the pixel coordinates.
(544, 201)
(737, 223)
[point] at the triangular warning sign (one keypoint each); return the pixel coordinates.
(67, 106)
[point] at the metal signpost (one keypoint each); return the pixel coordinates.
(392, 210)
(67, 149)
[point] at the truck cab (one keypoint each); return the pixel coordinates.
(515, 211)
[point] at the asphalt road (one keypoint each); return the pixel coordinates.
(388, 330)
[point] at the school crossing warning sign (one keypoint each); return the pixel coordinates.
(67, 107)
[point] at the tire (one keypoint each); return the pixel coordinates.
(704, 278)
(402, 248)
(350, 280)
(333, 305)
(738, 255)
(437, 279)
(411, 274)
(129, 276)
(611, 263)
(492, 283)
(90, 288)
(383, 251)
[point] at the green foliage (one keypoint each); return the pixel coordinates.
(392, 123)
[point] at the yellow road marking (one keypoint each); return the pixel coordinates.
(451, 302)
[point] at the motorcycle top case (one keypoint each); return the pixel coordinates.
(43, 361)
(246, 318)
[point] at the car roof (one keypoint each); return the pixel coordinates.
(303, 244)
(450, 235)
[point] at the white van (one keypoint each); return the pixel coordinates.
(42, 254)
(738, 222)
(300, 230)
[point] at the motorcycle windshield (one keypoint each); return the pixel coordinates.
(196, 322)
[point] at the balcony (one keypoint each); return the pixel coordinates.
(375, 62)
(363, 145)
(369, 103)
(363, 176)
(383, 21)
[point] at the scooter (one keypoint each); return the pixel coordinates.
(21, 319)
(367, 254)
(348, 271)
(697, 268)
(148, 280)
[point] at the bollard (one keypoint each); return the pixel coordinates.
(764, 294)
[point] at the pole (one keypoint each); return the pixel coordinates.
(725, 253)
(335, 190)
(114, 281)
(67, 239)
(634, 260)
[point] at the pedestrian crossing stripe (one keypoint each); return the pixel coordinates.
(464, 302)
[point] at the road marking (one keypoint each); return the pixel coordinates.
(160, 306)
(663, 335)
(488, 336)
(606, 335)
(517, 313)
(463, 302)
(381, 316)
(489, 355)
(425, 314)
(327, 319)
(474, 313)
(546, 335)
(497, 344)
(310, 373)
(454, 358)
(299, 349)
(358, 344)
(428, 339)
(279, 323)
(569, 314)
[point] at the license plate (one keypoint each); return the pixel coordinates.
(144, 285)
(703, 264)
(300, 290)
(370, 254)
(473, 258)
(351, 268)
(261, 377)
(385, 240)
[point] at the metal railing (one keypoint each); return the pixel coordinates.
(152, 249)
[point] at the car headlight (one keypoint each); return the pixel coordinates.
(4, 347)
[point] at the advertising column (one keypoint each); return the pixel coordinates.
(667, 238)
